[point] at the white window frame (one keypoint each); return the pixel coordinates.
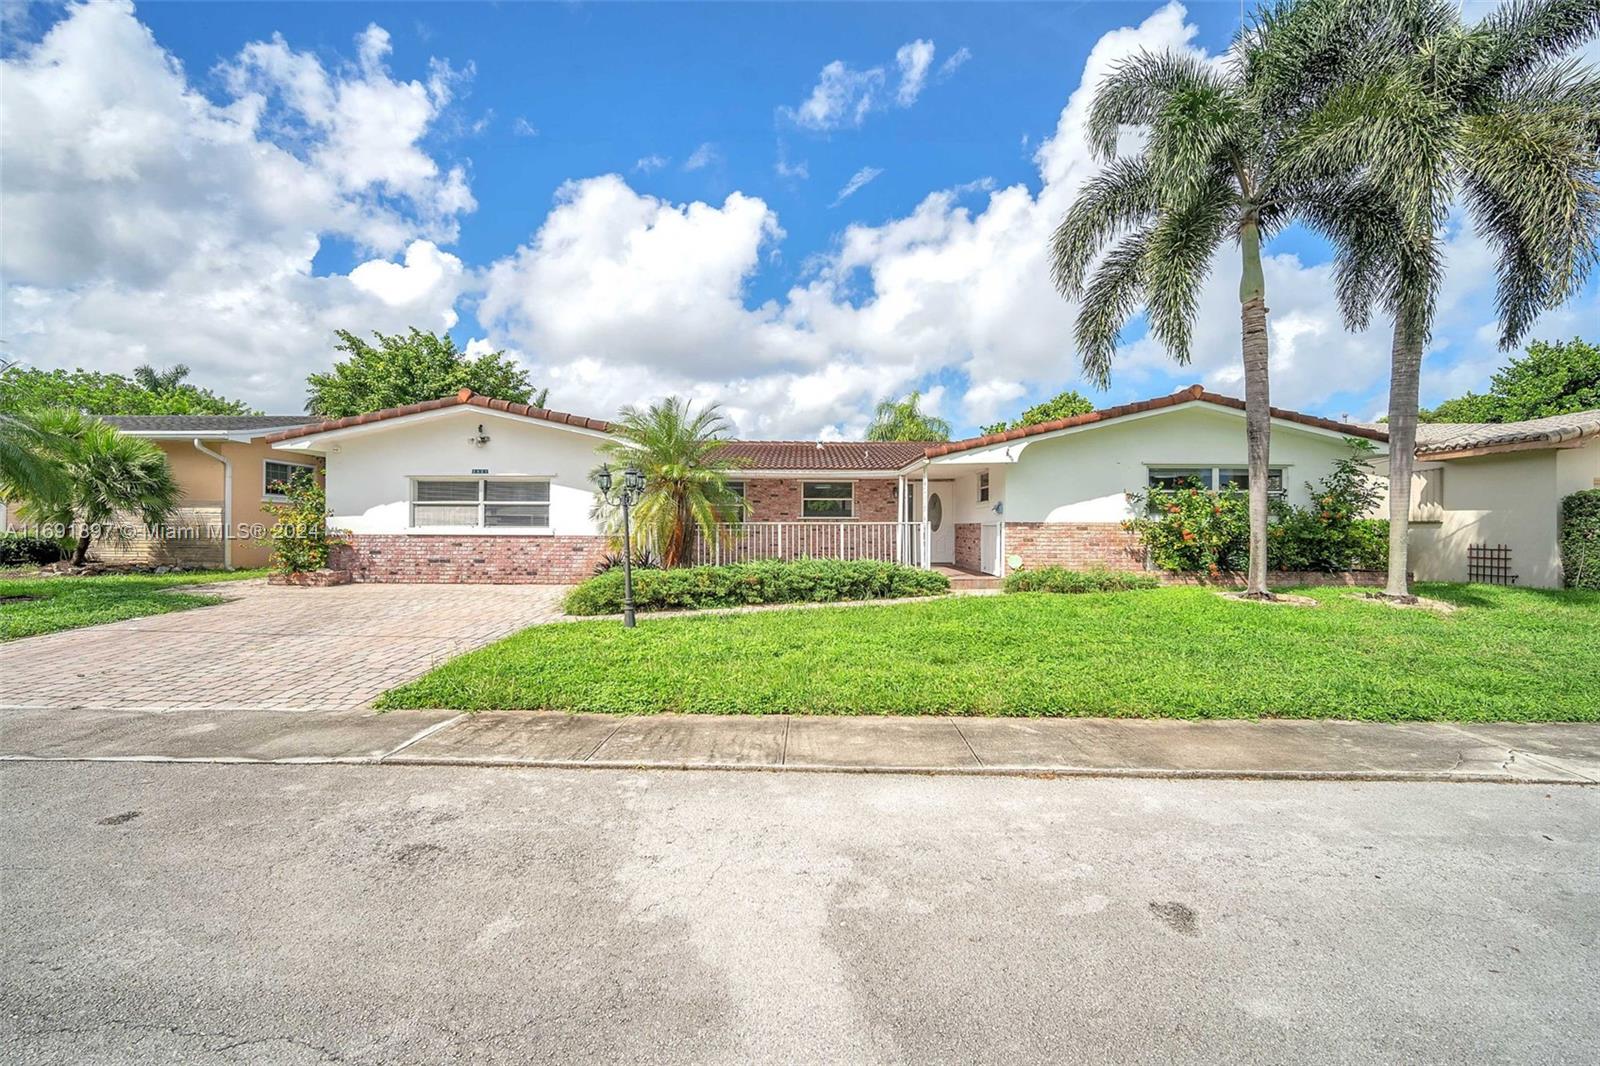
(983, 486)
(743, 492)
(480, 529)
(851, 500)
(266, 491)
(1215, 471)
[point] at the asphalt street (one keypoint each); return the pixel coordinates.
(397, 914)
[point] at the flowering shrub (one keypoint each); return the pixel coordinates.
(1191, 529)
(300, 539)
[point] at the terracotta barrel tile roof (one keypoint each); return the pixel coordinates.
(466, 397)
(1188, 395)
(1437, 438)
(823, 455)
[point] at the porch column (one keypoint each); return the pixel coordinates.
(925, 533)
(902, 516)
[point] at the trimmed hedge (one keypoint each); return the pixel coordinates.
(1580, 539)
(1060, 579)
(805, 581)
(19, 549)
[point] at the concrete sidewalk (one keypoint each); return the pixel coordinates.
(1534, 753)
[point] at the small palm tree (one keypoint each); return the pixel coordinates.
(1428, 108)
(686, 475)
(27, 470)
(905, 420)
(1203, 178)
(106, 474)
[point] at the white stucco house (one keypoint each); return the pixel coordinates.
(465, 488)
(1486, 497)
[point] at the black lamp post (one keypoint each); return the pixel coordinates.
(628, 492)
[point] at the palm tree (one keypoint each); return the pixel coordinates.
(149, 377)
(905, 420)
(107, 474)
(26, 468)
(1429, 107)
(685, 473)
(1204, 177)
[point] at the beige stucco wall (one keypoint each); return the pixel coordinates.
(195, 538)
(1512, 498)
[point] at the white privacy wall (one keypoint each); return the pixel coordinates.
(1514, 499)
(1084, 475)
(368, 475)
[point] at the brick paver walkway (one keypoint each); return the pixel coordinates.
(269, 647)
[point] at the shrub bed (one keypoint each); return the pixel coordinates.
(1060, 579)
(742, 584)
(20, 549)
(1194, 530)
(1580, 539)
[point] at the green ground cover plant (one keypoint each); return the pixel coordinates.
(1504, 654)
(34, 605)
(744, 584)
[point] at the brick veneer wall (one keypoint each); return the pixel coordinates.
(468, 559)
(774, 499)
(969, 545)
(1072, 544)
(191, 539)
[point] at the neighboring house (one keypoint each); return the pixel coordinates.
(1498, 485)
(466, 488)
(227, 471)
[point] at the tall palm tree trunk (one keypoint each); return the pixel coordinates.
(1257, 402)
(1405, 367)
(80, 550)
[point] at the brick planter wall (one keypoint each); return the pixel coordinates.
(1283, 579)
(468, 559)
(969, 545)
(1075, 545)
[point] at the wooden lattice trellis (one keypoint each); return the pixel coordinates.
(1490, 564)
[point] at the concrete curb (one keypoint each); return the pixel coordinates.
(1042, 772)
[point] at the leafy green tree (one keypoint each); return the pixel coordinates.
(167, 380)
(1428, 106)
(1551, 379)
(99, 393)
(106, 475)
(408, 369)
(685, 472)
(1061, 405)
(905, 420)
(1203, 178)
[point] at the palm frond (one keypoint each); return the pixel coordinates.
(1528, 34)
(1109, 301)
(1119, 198)
(1138, 88)
(1177, 261)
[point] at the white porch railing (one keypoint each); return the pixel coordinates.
(754, 541)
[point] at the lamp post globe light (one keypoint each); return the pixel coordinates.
(627, 494)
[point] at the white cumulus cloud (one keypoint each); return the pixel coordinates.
(146, 223)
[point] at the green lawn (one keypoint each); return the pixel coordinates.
(1506, 654)
(55, 603)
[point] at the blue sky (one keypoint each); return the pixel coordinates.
(794, 210)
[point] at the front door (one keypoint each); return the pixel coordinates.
(941, 518)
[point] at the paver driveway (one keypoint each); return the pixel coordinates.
(268, 647)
